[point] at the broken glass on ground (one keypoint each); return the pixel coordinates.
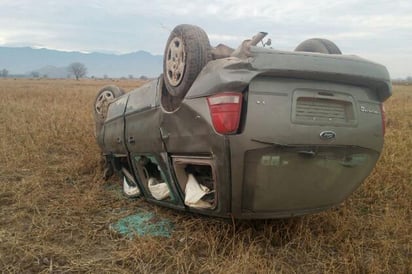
(143, 224)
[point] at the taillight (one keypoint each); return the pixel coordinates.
(225, 109)
(383, 119)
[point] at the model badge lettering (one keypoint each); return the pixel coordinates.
(367, 110)
(327, 135)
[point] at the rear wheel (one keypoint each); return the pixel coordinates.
(318, 45)
(187, 52)
(101, 104)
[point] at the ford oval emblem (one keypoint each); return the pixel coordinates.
(327, 135)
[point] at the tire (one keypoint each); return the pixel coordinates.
(187, 52)
(101, 103)
(318, 45)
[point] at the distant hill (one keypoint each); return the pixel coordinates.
(51, 72)
(53, 63)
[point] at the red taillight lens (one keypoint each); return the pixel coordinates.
(383, 115)
(225, 109)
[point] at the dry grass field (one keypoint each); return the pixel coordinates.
(55, 210)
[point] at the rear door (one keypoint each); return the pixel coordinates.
(147, 151)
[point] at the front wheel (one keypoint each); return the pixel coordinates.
(101, 104)
(319, 45)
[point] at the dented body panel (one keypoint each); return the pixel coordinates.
(310, 132)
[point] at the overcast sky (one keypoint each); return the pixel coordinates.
(377, 30)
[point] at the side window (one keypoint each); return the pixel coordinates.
(142, 98)
(116, 108)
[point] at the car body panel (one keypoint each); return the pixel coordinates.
(113, 139)
(274, 182)
(277, 98)
(189, 133)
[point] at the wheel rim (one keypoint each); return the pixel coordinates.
(103, 101)
(175, 61)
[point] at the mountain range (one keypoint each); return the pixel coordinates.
(54, 63)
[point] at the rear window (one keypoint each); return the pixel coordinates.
(303, 177)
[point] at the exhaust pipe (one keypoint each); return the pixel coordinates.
(243, 51)
(257, 38)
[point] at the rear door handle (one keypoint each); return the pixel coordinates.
(131, 140)
(164, 134)
(118, 140)
(307, 153)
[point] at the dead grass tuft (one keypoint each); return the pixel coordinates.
(56, 209)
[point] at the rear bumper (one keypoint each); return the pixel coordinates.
(347, 69)
(236, 74)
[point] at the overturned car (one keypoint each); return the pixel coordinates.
(250, 132)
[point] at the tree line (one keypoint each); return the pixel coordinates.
(76, 69)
